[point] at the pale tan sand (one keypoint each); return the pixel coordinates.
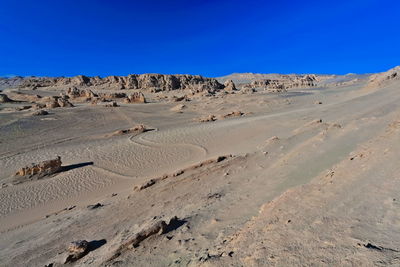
(288, 195)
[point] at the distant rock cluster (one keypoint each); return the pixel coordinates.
(384, 78)
(285, 82)
(152, 82)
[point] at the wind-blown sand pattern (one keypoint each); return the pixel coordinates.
(309, 176)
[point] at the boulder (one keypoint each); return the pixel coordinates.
(76, 250)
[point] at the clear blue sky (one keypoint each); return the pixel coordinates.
(211, 38)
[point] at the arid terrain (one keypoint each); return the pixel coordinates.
(182, 170)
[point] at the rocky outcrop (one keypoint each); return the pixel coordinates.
(4, 99)
(140, 128)
(247, 89)
(285, 82)
(153, 82)
(136, 97)
(151, 228)
(384, 78)
(113, 104)
(57, 102)
(229, 86)
(41, 169)
(76, 250)
(74, 92)
(10, 82)
(220, 117)
(178, 108)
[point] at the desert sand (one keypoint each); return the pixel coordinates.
(278, 170)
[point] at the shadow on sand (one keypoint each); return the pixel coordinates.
(75, 166)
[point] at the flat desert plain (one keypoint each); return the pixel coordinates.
(259, 172)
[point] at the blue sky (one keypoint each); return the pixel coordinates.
(211, 38)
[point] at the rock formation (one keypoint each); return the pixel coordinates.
(4, 99)
(150, 229)
(10, 82)
(40, 113)
(140, 128)
(384, 78)
(76, 250)
(74, 92)
(113, 104)
(56, 102)
(136, 97)
(178, 108)
(229, 86)
(153, 82)
(285, 82)
(41, 169)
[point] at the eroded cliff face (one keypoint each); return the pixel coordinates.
(152, 82)
(285, 82)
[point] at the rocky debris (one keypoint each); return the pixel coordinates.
(150, 229)
(229, 85)
(112, 104)
(202, 92)
(178, 108)
(285, 82)
(74, 92)
(41, 169)
(23, 108)
(207, 118)
(76, 250)
(40, 113)
(136, 97)
(153, 181)
(247, 89)
(147, 184)
(233, 114)
(4, 99)
(381, 79)
(37, 106)
(273, 139)
(151, 82)
(140, 128)
(95, 206)
(180, 98)
(220, 117)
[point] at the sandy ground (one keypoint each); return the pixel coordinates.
(303, 183)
